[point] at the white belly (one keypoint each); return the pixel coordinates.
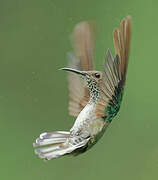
(87, 124)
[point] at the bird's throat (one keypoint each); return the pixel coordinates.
(94, 90)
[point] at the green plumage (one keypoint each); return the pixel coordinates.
(114, 105)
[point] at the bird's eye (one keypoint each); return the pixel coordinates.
(97, 75)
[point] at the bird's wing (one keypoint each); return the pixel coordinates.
(114, 74)
(82, 59)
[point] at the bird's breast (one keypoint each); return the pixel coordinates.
(87, 124)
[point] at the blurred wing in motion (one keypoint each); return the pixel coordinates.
(82, 38)
(114, 73)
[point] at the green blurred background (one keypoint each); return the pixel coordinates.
(34, 40)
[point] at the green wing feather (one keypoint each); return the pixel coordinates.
(114, 74)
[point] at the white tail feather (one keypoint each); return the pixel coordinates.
(56, 144)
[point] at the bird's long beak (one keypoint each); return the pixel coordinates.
(74, 71)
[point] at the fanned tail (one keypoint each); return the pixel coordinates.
(55, 144)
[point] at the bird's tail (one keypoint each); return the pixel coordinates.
(55, 144)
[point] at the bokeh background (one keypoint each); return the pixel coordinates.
(34, 40)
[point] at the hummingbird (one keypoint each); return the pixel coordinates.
(94, 96)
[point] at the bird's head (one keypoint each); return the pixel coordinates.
(93, 80)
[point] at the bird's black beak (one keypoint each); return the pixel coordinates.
(74, 71)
